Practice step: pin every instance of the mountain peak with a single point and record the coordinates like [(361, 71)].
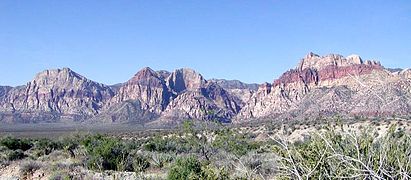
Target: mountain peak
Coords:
[(147, 76), (317, 62), (311, 55), (356, 59), (145, 72), (52, 76), (185, 79)]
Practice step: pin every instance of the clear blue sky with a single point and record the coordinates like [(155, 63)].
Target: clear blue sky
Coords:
[(250, 40)]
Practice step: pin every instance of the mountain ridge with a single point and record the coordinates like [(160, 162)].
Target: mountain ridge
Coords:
[(327, 85)]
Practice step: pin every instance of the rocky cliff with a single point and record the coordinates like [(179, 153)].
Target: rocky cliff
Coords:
[(148, 87), (328, 86), (55, 94), (318, 86), (4, 90), (141, 99), (182, 94), (240, 90), (208, 102)]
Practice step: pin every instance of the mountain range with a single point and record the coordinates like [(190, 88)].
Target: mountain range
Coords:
[(319, 86)]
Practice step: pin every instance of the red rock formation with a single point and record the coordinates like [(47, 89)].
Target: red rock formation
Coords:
[(332, 72), (318, 85)]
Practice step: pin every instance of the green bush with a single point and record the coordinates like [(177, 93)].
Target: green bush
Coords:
[(15, 143), (159, 160), (60, 176), (167, 144), (233, 142), (15, 155), (46, 146), (105, 153), (212, 173), (70, 144), (140, 163), (185, 168), (157, 144)]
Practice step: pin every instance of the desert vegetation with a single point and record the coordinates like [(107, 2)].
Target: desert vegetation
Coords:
[(328, 151)]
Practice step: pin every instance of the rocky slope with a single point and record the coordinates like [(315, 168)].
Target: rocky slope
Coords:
[(237, 88), (234, 84), (331, 85), (208, 102), (147, 87), (54, 94), (318, 86), (182, 94), (4, 90), (140, 99), (197, 98)]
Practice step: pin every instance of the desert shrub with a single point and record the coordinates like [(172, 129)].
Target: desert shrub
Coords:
[(197, 139), (60, 176), (160, 159), (46, 146), (16, 143), (224, 159), (69, 144), (185, 168), (334, 155), (27, 168), (210, 172), (167, 144), (235, 143), (104, 153), (15, 155), (159, 144), (254, 165), (140, 163)]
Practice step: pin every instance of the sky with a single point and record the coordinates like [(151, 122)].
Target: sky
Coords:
[(249, 40)]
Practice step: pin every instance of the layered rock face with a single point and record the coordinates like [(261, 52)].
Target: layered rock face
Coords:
[(148, 87), (140, 99), (197, 98), (208, 102), (182, 94), (234, 84), (331, 85), (53, 94), (62, 94), (237, 88), (185, 80), (318, 86), (406, 73), (4, 90)]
